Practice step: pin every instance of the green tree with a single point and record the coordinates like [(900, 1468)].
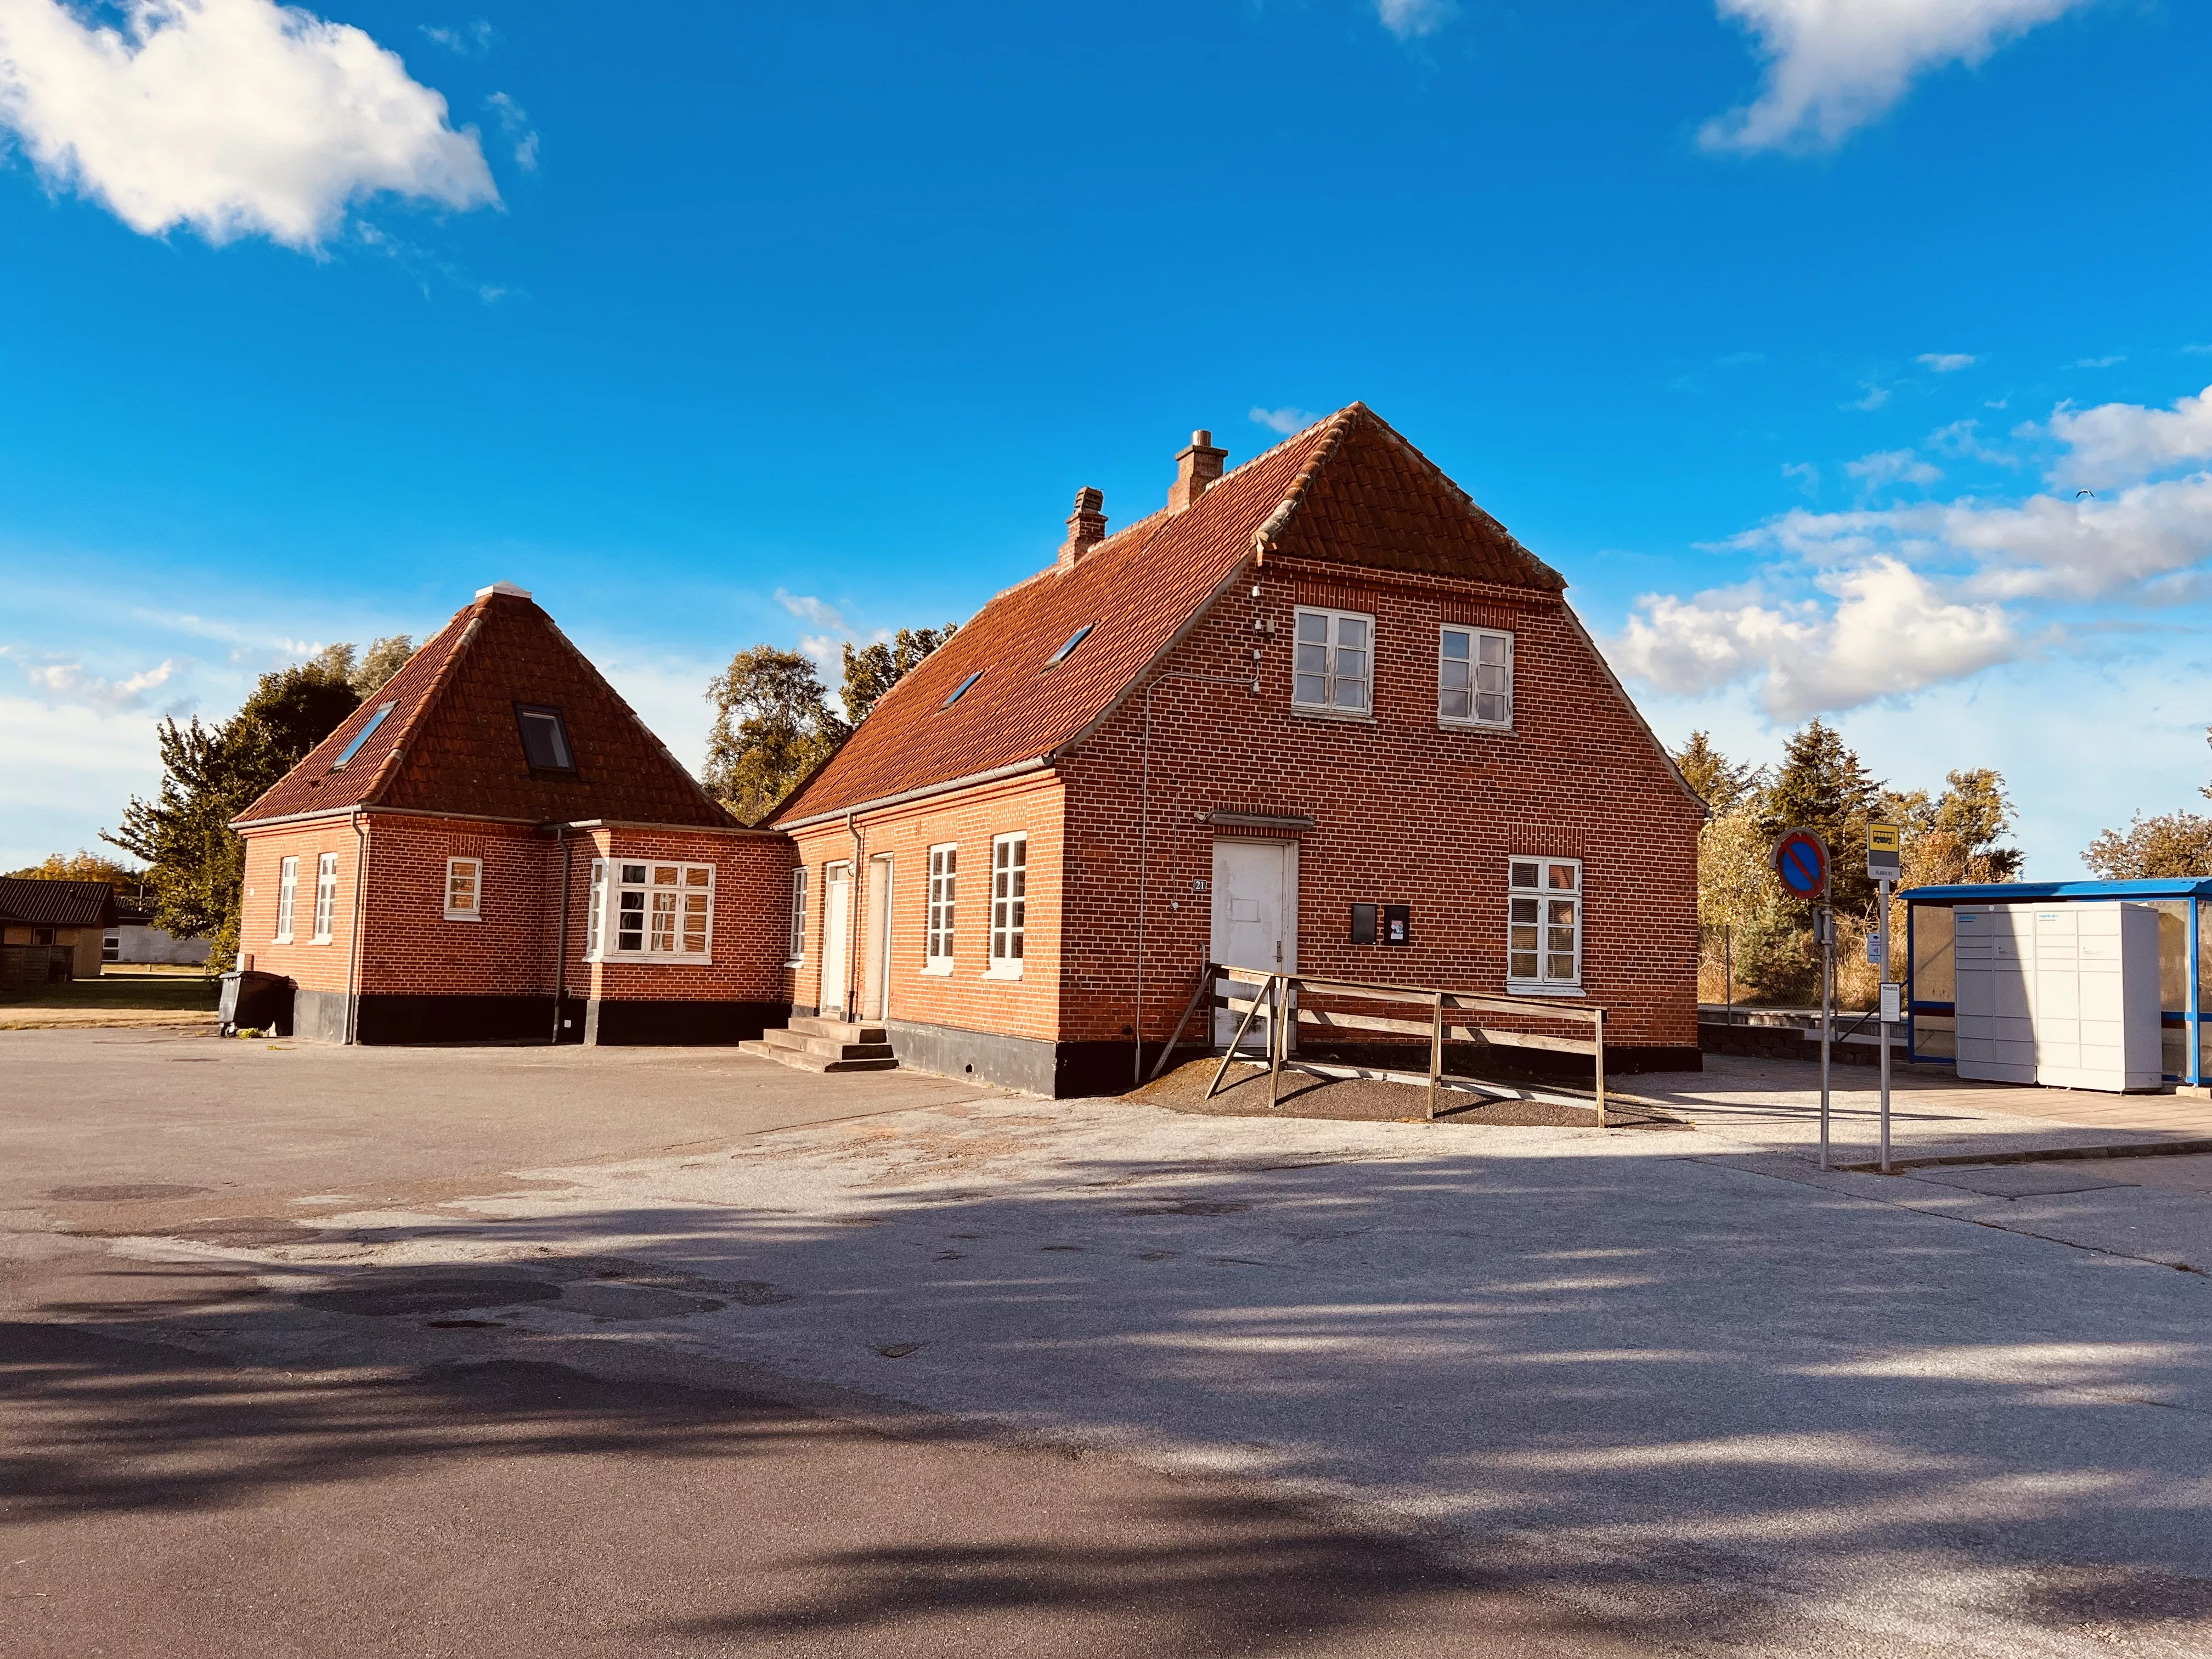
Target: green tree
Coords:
[(873, 670), (772, 727), (1954, 838), (1821, 786), (383, 658), (211, 774), (82, 865), (2170, 844), (1720, 783)]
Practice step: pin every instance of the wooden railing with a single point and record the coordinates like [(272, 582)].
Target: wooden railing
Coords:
[(1281, 997)]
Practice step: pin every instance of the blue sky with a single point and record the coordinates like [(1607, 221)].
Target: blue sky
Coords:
[(1791, 337)]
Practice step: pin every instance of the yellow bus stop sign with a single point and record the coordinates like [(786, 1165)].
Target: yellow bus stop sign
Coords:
[(1885, 852)]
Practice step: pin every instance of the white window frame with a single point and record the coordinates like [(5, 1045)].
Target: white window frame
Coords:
[(595, 910), (795, 947), (473, 910), (1473, 690), (1332, 648), (287, 898), (1009, 917), (326, 897), (617, 881), (940, 908), (1540, 902)]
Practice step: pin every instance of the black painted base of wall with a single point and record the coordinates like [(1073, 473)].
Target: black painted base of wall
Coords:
[(1794, 1043), (676, 1024)]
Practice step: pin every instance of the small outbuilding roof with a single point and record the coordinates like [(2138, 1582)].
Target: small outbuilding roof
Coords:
[(56, 903), (2043, 892)]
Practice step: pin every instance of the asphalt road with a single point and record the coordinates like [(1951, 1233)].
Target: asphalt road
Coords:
[(442, 1488)]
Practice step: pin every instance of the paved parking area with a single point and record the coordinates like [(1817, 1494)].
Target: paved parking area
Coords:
[(1677, 1393)]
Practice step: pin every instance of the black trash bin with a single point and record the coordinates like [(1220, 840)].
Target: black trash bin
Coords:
[(255, 1001)]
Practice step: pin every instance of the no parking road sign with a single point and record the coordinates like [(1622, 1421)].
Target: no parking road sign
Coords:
[(1800, 859)]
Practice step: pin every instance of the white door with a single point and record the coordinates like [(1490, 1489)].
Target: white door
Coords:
[(1256, 918), (837, 938), (876, 964)]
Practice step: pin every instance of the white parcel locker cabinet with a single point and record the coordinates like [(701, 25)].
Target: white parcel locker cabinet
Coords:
[(2061, 994)]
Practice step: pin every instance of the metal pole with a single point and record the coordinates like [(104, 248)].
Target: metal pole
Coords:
[(1727, 966), (1882, 1023), (1825, 918), (1600, 1033)]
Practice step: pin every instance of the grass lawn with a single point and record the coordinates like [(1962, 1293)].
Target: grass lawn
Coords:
[(164, 989)]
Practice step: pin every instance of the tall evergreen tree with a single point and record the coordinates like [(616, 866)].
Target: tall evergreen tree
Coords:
[(1821, 786), (1721, 783)]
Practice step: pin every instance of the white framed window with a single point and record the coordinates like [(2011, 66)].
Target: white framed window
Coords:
[(1544, 924), (1009, 863), (287, 898), (798, 950), (1334, 667), (658, 911), (937, 927), (595, 913), (464, 890), (326, 897), (1474, 677)]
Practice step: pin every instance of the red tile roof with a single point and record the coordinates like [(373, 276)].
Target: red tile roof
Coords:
[(1347, 490), (452, 743)]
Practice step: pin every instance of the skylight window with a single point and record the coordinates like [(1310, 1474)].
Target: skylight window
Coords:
[(363, 736), (1069, 649), (961, 689), (545, 739)]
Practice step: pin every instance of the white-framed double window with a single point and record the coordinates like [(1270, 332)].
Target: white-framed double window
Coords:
[(1474, 677), (937, 923), (1334, 671), (1544, 924), (326, 897), (464, 890), (648, 909), (1009, 867), (595, 912), (796, 952), (287, 898)]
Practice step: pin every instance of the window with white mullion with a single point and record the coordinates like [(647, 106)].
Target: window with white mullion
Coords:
[(1474, 677), (944, 880), (1544, 924), (1333, 668), (287, 898), (1010, 857), (596, 915), (464, 890), (661, 912), (326, 897), (798, 948)]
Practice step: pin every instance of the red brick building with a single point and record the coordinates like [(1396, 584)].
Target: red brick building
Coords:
[(1320, 710)]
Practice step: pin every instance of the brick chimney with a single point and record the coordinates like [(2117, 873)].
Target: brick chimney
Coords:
[(1086, 526), (1195, 468)]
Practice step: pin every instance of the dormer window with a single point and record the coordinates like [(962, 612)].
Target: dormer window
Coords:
[(362, 737), (961, 689), (1069, 649), (544, 738)]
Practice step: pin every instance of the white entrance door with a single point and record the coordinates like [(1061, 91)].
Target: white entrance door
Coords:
[(837, 938), (1256, 917)]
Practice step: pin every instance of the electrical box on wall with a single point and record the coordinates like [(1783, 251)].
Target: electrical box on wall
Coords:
[(1363, 924), (1397, 924)]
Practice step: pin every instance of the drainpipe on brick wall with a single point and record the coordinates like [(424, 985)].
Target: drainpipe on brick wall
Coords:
[(1143, 849), (852, 913), (561, 935), (353, 953)]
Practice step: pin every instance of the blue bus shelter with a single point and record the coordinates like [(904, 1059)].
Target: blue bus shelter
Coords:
[(2184, 931)]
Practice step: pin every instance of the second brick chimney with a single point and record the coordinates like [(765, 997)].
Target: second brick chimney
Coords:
[(1086, 526), (1195, 468)]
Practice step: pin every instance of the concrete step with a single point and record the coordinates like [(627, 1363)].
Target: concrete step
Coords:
[(800, 1061), (843, 1031), (826, 1047)]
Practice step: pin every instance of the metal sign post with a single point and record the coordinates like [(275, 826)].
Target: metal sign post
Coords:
[(1885, 863), (1800, 860)]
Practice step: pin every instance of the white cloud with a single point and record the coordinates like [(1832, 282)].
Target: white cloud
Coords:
[(1946, 362), (473, 39), (1408, 19), (61, 683), (1285, 420), (234, 117), (2116, 441), (2097, 362), (515, 122), (1964, 439), (1834, 65), (1889, 632), (1807, 475), (1875, 396), (1892, 467)]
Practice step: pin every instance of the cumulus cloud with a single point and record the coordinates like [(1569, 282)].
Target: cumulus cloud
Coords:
[(826, 648), (1946, 362), (1409, 19), (1285, 420), (2116, 441), (62, 683), (1834, 65), (1889, 631), (1892, 467), (237, 118)]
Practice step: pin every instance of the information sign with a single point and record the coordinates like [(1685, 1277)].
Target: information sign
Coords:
[(1885, 852), (1800, 859)]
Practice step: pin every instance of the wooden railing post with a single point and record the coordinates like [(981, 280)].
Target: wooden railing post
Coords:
[(1435, 1054), (1206, 978), (1281, 996), (1600, 1045), (1249, 1013)]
